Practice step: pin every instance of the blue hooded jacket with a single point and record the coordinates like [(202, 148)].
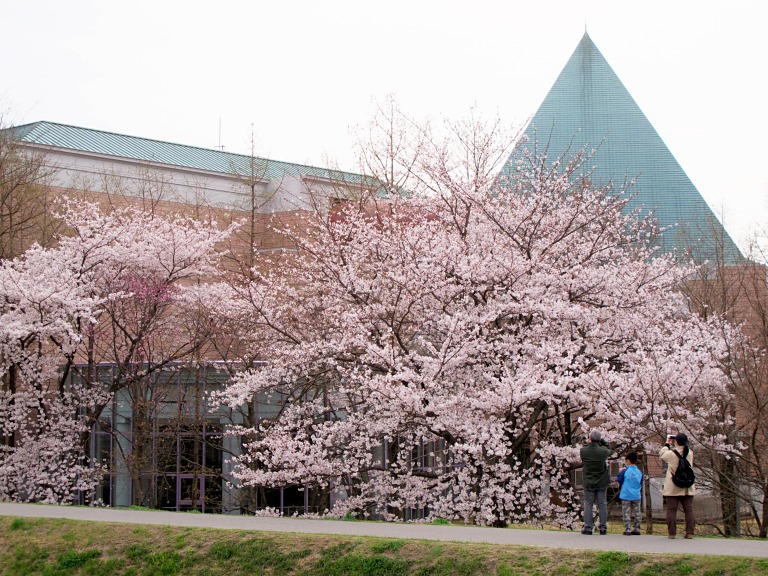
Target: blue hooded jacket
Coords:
[(631, 480)]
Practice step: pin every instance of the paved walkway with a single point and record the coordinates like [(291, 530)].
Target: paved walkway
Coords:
[(516, 537)]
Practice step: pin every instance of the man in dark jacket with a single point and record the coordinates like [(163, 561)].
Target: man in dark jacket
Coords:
[(596, 480)]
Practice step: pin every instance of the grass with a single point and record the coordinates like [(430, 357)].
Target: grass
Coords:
[(55, 547)]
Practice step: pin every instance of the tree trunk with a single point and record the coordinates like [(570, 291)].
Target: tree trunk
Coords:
[(728, 498), (647, 490), (138, 446), (10, 377), (319, 499), (764, 523)]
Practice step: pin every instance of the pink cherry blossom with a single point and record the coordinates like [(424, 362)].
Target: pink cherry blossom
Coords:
[(101, 295), (448, 349)]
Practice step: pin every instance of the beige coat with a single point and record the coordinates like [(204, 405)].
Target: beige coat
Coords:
[(672, 460)]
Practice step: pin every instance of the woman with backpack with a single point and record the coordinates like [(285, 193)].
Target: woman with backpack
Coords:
[(679, 484)]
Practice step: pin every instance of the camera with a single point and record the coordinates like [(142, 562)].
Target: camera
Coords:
[(671, 438)]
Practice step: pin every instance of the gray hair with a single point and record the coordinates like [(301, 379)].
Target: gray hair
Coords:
[(595, 435)]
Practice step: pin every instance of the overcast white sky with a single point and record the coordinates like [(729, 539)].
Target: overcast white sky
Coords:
[(305, 73)]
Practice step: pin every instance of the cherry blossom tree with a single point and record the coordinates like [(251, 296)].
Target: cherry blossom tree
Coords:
[(105, 293), (445, 349)]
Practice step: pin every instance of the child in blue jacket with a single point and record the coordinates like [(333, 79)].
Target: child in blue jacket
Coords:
[(631, 480)]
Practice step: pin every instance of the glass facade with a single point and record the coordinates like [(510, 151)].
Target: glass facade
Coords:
[(161, 441), (163, 444)]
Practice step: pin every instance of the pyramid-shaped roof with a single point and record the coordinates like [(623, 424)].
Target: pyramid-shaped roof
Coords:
[(588, 106)]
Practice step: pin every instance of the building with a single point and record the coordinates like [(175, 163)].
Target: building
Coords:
[(588, 107), (90, 159)]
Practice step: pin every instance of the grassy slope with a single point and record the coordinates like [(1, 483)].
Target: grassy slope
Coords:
[(62, 547)]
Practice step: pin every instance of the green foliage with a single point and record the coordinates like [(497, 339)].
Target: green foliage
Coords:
[(30, 559), (441, 522), (675, 567), (742, 568), (135, 551), (387, 545), (610, 563), (19, 524), (72, 559), (166, 563), (104, 568), (224, 550), (261, 553), (652, 569), (359, 565), (457, 566)]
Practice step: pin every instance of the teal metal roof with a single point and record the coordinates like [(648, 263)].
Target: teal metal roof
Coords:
[(588, 106), (146, 150)]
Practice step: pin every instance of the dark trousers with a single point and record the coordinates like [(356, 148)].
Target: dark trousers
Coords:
[(590, 496), (690, 520)]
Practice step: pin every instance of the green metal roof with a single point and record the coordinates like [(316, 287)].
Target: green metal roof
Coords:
[(147, 150), (589, 106)]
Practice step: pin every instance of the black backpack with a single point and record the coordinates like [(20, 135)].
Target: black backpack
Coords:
[(683, 476)]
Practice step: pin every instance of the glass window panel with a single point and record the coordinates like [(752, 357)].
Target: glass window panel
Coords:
[(102, 448), (105, 374), (190, 490), (212, 494), (213, 453), (166, 410), (166, 492), (104, 490), (124, 405), (269, 405), (190, 453), (293, 500), (165, 453)]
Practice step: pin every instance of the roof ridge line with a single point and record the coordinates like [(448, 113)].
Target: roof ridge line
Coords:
[(190, 146)]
